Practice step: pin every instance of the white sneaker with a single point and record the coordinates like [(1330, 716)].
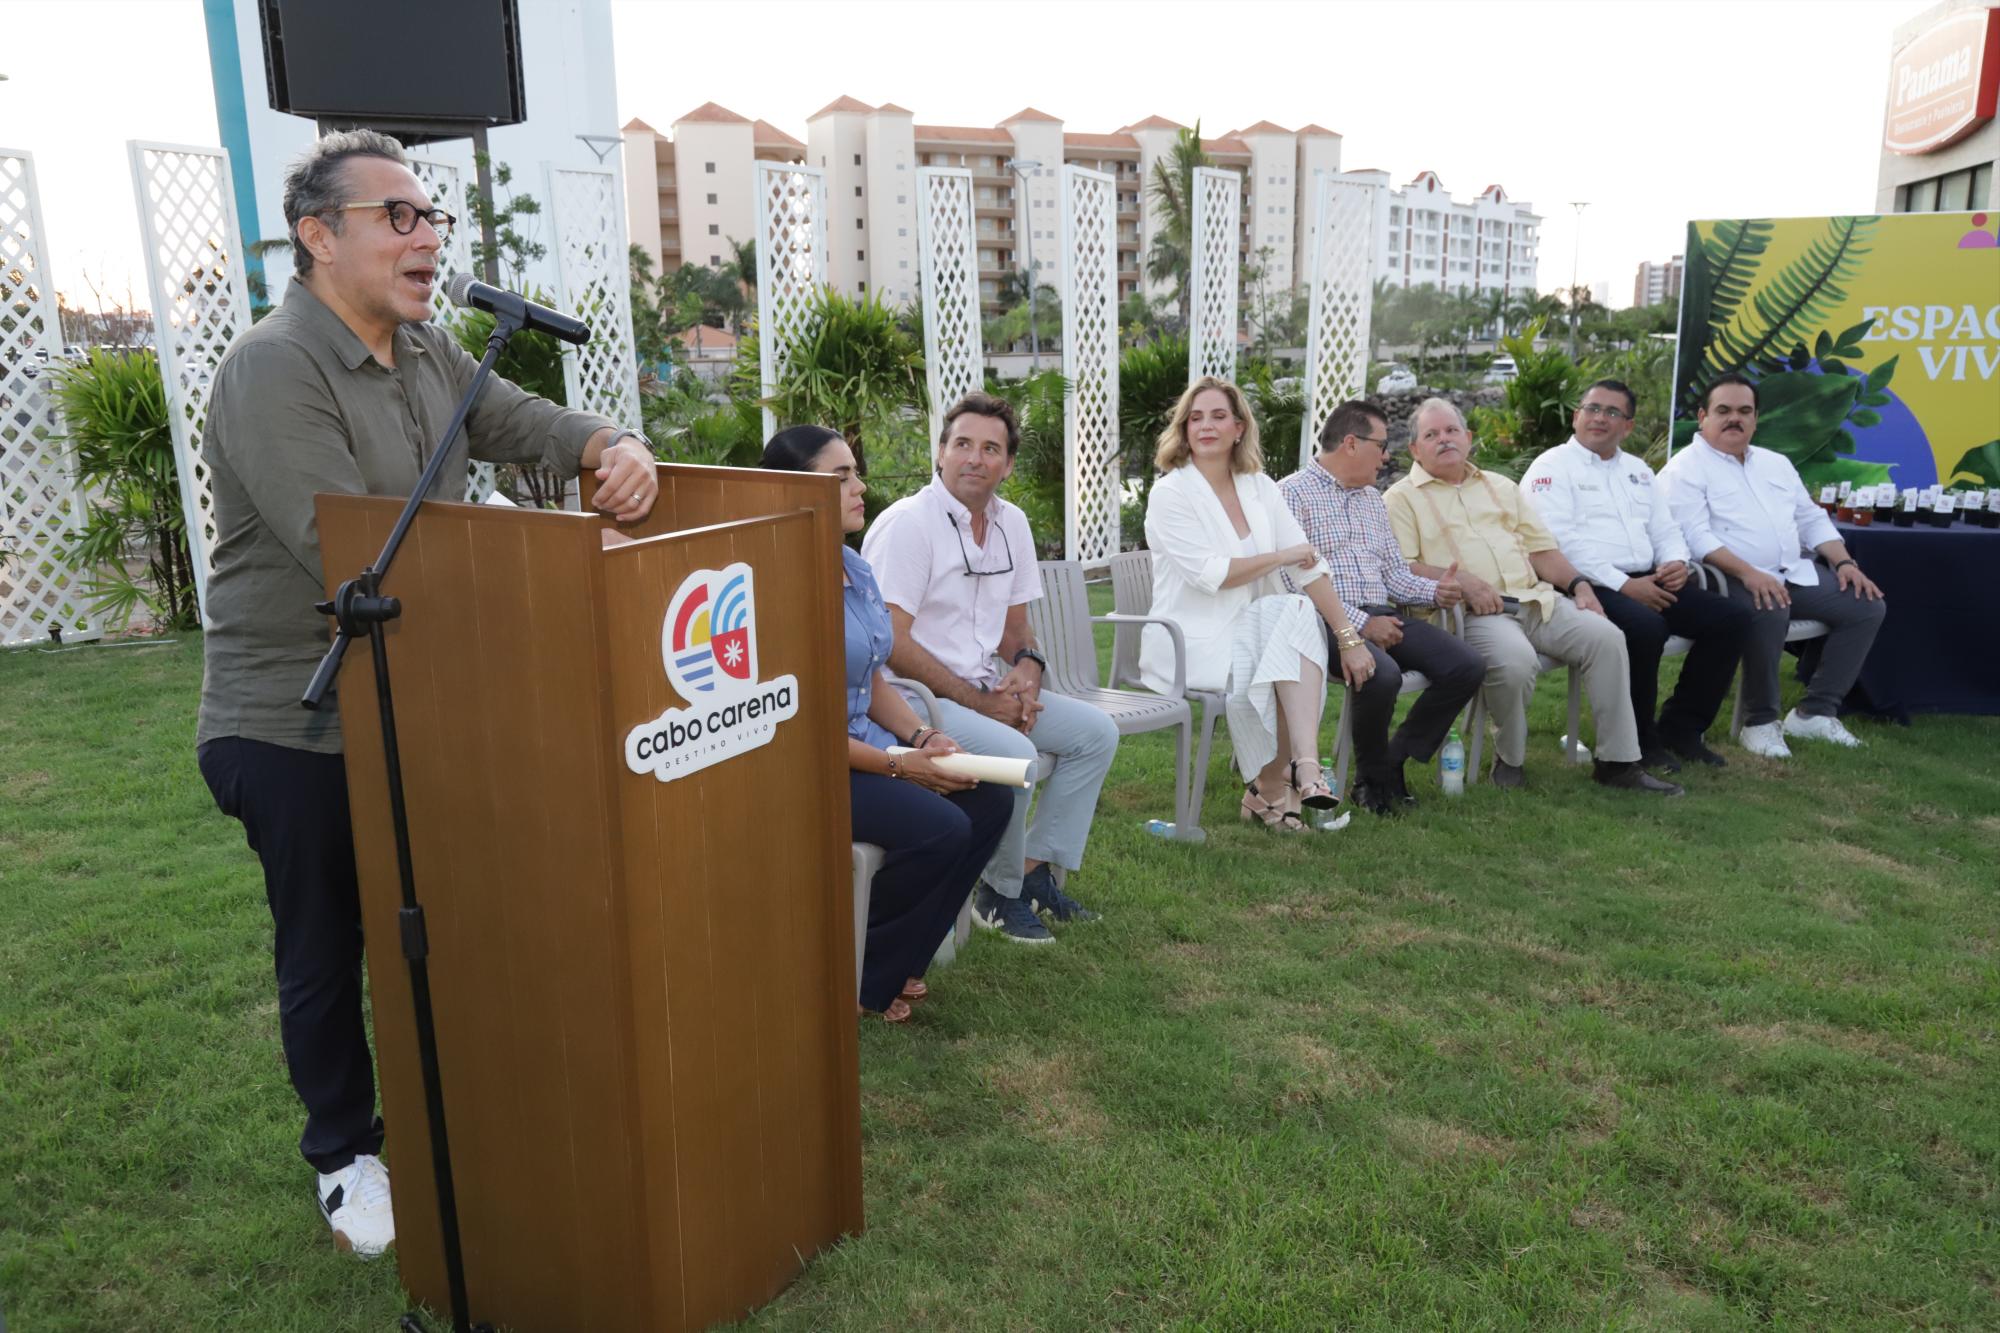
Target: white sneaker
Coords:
[(1766, 740), (1819, 729), (356, 1204)]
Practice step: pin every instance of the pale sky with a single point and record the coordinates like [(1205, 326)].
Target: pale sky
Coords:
[(1654, 113)]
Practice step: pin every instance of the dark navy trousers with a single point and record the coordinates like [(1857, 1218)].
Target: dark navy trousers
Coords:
[(933, 850)]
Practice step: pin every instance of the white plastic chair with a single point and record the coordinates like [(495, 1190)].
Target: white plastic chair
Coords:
[(1796, 632), (1132, 605)]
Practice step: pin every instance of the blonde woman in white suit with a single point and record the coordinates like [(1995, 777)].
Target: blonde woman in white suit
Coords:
[(1233, 569)]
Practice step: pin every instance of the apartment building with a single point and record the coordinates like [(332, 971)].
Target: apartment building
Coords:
[(1655, 283), (694, 187)]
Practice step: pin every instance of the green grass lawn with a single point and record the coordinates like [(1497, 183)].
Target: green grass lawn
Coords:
[(1554, 1058)]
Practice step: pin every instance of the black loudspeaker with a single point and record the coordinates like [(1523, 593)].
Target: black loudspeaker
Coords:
[(427, 70)]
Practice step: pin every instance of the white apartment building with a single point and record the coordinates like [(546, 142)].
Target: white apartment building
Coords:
[(694, 187), (1428, 238)]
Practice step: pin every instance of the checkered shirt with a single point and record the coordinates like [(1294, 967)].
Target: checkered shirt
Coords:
[(1349, 527)]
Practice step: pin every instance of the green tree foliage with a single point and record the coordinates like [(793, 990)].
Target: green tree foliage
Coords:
[(1038, 480), (858, 372), (515, 225), (1171, 258), (120, 436)]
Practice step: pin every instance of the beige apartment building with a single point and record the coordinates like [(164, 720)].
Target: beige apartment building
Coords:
[(871, 153)]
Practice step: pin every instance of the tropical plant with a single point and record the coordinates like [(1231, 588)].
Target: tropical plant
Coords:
[(514, 226), (534, 361), (1279, 403), (687, 424), (1151, 379), (1541, 399), (1038, 480), (1171, 258), (857, 371), (122, 440)]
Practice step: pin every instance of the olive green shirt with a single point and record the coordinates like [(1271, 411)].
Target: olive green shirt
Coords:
[(299, 406)]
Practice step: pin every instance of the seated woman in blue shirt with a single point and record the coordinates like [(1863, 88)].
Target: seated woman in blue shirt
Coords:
[(936, 830)]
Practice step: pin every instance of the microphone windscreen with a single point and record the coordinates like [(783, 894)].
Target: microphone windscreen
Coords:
[(459, 291)]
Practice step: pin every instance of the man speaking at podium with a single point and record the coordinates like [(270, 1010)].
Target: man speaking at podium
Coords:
[(346, 387)]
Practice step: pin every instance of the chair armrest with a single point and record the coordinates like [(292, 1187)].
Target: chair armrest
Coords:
[(1717, 580), (924, 700), (1179, 690)]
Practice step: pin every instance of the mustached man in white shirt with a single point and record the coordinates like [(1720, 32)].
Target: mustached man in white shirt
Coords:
[(1610, 517), (1745, 511), (956, 565)]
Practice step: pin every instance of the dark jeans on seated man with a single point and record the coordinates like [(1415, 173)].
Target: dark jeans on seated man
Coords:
[(1852, 622), (1718, 626), (1455, 671)]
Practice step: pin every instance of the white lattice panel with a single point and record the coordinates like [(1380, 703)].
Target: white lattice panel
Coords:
[(194, 270), (791, 265), (1214, 301), (445, 183), (594, 273), (40, 507), (954, 350), (1341, 265), (1090, 366)]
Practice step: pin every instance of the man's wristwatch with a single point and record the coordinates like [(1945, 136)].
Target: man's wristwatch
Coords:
[(1843, 564), (1034, 656), (1569, 590)]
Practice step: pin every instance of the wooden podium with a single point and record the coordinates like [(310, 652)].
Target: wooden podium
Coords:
[(644, 989)]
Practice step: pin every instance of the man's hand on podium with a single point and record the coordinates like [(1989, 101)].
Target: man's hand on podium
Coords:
[(627, 483)]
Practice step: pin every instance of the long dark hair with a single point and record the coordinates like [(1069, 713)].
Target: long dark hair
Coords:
[(794, 448)]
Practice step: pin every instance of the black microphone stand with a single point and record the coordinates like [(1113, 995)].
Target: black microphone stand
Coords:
[(358, 608)]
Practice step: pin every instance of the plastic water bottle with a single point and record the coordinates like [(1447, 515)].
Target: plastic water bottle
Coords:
[(1161, 828), (1451, 766)]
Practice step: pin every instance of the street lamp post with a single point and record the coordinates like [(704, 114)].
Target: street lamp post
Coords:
[(1575, 255), (1021, 167)]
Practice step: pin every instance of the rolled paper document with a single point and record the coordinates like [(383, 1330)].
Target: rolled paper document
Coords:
[(984, 767)]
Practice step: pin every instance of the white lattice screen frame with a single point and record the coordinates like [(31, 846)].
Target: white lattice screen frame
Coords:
[(954, 343), (1342, 267), (187, 221), (594, 283), (791, 265), (1091, 497), (41, 507), (446, 183), (1215, 279)]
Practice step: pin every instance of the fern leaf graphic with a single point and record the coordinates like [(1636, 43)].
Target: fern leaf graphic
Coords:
[(1785, 313)]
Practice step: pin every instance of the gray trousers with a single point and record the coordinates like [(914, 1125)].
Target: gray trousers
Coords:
[(1590, 644), (1083, 741), (1852, 622)]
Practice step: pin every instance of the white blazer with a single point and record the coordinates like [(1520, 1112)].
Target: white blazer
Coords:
[(1192, 544)]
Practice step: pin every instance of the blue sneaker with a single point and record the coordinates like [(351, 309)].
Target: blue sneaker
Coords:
[(1012, 917), (1045, 895)]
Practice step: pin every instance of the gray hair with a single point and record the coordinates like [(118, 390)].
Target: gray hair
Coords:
[(316, 183), (1434, 405)]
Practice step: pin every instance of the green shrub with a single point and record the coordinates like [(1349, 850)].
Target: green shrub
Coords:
[(119, 432)]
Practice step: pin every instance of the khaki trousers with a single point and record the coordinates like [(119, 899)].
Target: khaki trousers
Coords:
[(1588, 643)]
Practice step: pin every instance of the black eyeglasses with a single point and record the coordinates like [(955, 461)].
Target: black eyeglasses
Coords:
[(1379, 441), (966, 555), (403, 215)]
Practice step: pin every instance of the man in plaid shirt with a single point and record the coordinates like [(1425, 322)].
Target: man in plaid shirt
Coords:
[(1336, 503)]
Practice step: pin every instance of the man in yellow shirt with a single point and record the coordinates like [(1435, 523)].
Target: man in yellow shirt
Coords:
[(1449, 516)]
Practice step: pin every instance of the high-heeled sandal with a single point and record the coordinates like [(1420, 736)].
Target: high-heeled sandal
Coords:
[(897, 1012), (914, 990), (1316, 793), (1256, 810)]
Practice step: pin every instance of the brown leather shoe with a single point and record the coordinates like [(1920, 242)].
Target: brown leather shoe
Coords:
[(1630, 777)]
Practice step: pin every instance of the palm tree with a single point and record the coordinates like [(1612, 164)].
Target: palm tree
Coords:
[(1171, 260)]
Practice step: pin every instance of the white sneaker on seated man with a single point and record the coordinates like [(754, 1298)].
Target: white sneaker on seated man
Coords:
[(956, 565)]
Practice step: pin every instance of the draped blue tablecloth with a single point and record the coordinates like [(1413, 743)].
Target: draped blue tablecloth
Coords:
[(1939, 649)]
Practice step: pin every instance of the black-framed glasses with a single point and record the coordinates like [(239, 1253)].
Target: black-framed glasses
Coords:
[(1006, 547), (1379, 441), (1600, 410), (403, 215)]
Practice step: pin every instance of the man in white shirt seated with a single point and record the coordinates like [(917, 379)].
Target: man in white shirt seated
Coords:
[(956, 565), (1611, 519), (1745, 511)]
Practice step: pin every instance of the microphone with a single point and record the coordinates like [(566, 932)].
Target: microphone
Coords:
[(466, 291)]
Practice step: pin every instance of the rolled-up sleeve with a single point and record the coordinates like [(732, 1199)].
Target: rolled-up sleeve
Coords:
[(1285, 525), (1175, 534), (507, 424)]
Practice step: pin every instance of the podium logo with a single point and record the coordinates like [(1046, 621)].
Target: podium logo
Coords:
[(709, 645)]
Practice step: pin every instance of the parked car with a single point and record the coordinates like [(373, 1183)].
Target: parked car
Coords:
[(1396, 379), (1502, 370)]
